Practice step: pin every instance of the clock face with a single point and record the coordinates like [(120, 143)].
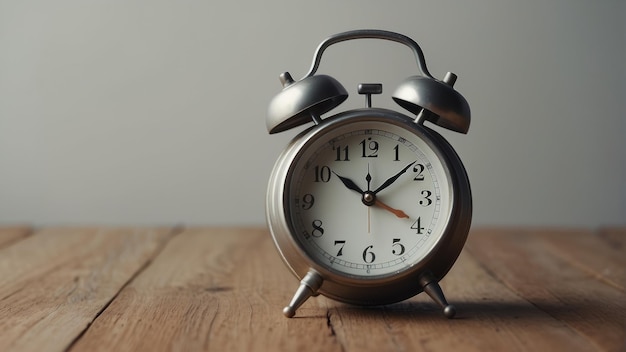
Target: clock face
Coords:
[(368, 199)]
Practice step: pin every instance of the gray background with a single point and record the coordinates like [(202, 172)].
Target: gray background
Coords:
[(153, 112)]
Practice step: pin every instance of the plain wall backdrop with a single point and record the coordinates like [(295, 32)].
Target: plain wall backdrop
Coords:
[(153, 112)]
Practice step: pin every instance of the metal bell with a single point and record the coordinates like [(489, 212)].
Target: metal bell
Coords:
[(303, 101), (435, 101)]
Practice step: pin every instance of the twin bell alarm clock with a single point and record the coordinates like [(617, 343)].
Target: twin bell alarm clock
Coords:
[(369, 206)]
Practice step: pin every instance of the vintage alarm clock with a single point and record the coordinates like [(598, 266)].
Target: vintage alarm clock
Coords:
[(369, 206)]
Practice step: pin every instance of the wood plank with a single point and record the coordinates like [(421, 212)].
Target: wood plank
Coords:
[(525, 261), (490, 318), (10, 234), (600, 253), (55, 282), (210, 289)]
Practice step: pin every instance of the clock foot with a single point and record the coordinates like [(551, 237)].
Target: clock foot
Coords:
[(308, 287), (432, 289)]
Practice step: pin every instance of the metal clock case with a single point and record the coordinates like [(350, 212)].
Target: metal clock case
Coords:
[(369, 206)]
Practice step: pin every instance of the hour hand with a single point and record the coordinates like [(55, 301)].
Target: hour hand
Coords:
[(349, 183)]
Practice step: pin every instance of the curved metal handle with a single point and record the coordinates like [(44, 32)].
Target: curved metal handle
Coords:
[(370, 34)]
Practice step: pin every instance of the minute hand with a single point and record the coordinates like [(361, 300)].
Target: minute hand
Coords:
[(393, 178)]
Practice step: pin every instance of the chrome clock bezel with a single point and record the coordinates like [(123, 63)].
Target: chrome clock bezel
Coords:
[(385, 288)]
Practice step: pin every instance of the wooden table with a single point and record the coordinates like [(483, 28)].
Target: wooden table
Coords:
[(223, 289)]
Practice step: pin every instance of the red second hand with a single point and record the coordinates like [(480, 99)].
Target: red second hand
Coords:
[(397, 212)]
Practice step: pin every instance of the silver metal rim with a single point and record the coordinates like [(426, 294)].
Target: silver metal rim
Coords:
[(381, 290)]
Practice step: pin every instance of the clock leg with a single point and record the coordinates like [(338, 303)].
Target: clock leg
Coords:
[(308, 287), (432, 288)]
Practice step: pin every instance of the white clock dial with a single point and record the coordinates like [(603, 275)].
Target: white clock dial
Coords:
[(368, 199)]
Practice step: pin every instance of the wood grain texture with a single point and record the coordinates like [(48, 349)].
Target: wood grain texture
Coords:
[(223, 289), (601, 254), (551, 270), (55, 282), (210, 289), (491, 318), (11, 234)]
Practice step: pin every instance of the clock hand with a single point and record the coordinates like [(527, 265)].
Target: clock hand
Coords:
[(393, 178), (397, 212), (349, 183), (353, 186)]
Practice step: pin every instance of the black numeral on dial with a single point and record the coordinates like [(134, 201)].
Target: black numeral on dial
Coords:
[(307, 201), (368, 255), (419, 172), (318, 230), (342, 153), (398, 248), (340, 244), (322, 173), (426, 201), (369, 148), (417, 225)]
